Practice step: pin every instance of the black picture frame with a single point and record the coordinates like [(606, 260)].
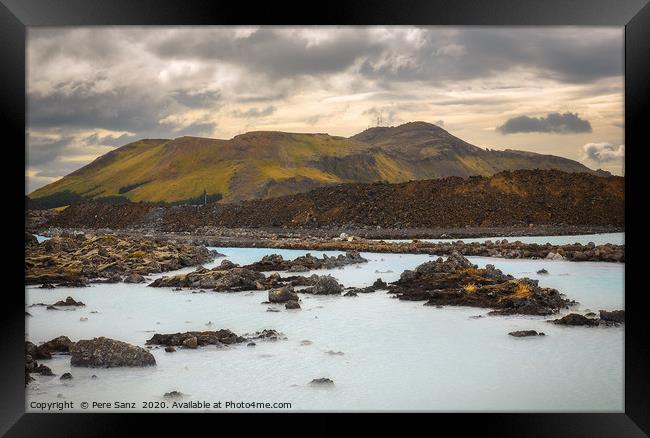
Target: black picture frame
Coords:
[(17, 15)]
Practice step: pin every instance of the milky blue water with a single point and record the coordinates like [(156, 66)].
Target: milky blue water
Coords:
[(397, 355), (598, 239)]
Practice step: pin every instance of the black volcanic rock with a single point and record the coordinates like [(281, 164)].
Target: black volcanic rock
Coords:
[(518, 198), (108, 353)]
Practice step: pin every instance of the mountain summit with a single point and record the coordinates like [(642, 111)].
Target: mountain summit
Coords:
[(263, 164)]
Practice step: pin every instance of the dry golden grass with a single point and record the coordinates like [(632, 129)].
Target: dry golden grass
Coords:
[(522, 291), (470, 288)]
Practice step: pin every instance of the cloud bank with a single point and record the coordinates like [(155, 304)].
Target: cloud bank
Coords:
[(556, 123), (604, 152)]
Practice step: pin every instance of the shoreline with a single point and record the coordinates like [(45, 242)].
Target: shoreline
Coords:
[(256, 238), (371, 233)]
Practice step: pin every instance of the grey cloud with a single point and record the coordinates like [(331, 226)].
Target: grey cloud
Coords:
[(477, 101), (271, 51), (100, 45), (566, 123), (274, 61), (254, 113), (117, 110), (196, 130), (108, 140), (312, 120), (603, 152), (205, 99), (43, 152), (557, 53)]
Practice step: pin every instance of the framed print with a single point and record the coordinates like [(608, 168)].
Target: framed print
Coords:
[(382, 207)]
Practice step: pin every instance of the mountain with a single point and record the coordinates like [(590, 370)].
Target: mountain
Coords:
[(510, 198), (263, 164)]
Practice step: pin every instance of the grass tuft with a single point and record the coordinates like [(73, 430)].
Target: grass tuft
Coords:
[(470, 288)]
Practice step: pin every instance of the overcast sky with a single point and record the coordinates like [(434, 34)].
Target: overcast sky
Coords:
[(553, 90)]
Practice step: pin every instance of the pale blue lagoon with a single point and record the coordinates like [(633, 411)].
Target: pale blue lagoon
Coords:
[(397, 355)]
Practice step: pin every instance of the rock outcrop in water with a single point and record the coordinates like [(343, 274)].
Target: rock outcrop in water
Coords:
[(44, 351), (275, 262), (379, 284), (108, 353), (457, 282), (60, 344), (525, 333), (232, 279), (33, 367), (69, 302), (613, 318), (325, 285), (216, 337), (74, 260), (322, 381), (282, 295)]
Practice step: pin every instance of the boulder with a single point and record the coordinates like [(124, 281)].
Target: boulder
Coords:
[(191, 342), (69, 301), (555, 256), (292, 304), (60, 344), (134, 278), (43, 370), (322, 381), (108, 353), (227, 264), (379, 284), (615, 316), (525, 333), (575, 319), (326, 285), (282, 295), (34, 352), (65, 376), (30, 363)]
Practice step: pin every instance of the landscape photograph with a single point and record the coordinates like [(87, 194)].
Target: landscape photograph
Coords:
[(325, 219)]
